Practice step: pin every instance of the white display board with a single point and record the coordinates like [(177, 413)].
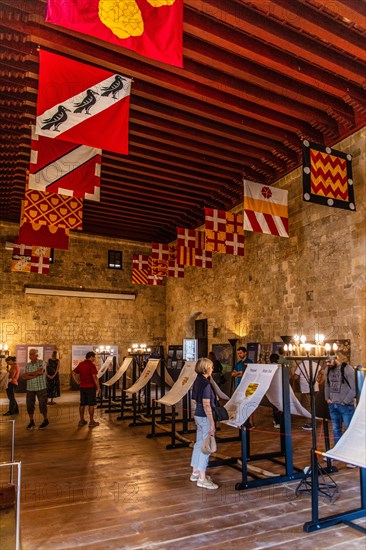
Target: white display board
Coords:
[(120, 371), (145, 376), (181, 387), (351, 447), (250, 392)]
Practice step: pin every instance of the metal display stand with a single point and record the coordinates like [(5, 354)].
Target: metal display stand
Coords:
[(347, 518), (291, 472), (173, 433), (326, 486)]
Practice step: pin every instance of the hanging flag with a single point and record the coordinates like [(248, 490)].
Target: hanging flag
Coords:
[(265, 209), (27, 250), (153, 28), (40, 265), (30, 264), (159, 267), (51, 209), (155, 280), (20, 263), (191, 248), (175, 270), (190, 238), (196, 257), (327, 176), (64, 168), (43, 235), (140, 269), (82, 104), (224, 232), (161, 251)]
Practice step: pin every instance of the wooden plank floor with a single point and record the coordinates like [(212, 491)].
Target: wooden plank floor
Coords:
[(112, 488)]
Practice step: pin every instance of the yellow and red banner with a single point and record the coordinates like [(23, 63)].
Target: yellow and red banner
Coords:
[(265, 209), (327, 176), (224, 232), (52, 210), (152, 28)]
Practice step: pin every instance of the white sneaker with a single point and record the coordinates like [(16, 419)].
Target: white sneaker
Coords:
[(207, 484), (195, 477), (351, 466), (277, 426)]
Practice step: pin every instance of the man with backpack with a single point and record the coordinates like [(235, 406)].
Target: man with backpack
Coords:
[(340, 392)]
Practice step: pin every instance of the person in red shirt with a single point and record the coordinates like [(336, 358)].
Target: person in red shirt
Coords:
[(85, 374)]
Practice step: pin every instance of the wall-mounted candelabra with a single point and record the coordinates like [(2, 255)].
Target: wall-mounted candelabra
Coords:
[(139, 349), (299, 345)]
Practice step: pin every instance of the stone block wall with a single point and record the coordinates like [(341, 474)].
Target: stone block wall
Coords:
[(312, 282), (66, 321)]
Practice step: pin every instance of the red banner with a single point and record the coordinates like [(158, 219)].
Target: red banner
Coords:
[(153, 28), (64, 168), (82, 104)]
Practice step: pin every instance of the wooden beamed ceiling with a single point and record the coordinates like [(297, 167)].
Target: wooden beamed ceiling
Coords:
[(259, 77)]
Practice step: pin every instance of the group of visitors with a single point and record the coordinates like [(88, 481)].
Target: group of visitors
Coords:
[(43, 383), (339, 388)]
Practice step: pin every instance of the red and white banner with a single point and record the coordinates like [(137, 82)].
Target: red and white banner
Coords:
[(190, 238), (175, 270), (196, 257), (153, 28), (160, 251), (82, 104), (265, 209), (64, 168)]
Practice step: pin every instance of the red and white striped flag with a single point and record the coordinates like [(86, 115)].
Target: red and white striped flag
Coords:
[(265, 209)]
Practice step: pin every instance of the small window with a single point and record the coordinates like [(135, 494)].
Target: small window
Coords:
[(114, 259)]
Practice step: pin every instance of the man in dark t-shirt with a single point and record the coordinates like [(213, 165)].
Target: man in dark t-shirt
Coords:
[(85, 374)]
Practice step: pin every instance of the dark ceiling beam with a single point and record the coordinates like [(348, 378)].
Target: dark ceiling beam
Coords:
[(243, 18), (264, 55), (175, 137), (350, 11), (227, 115), (254, 80), (316, 24)]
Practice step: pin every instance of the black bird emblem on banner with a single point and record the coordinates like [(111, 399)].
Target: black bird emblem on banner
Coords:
[(88, 102), (58, 118), (115, 87)]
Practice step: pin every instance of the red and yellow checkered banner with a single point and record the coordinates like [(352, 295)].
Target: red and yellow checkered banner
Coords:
[(53, 210), (224, 232), (327, 176)]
